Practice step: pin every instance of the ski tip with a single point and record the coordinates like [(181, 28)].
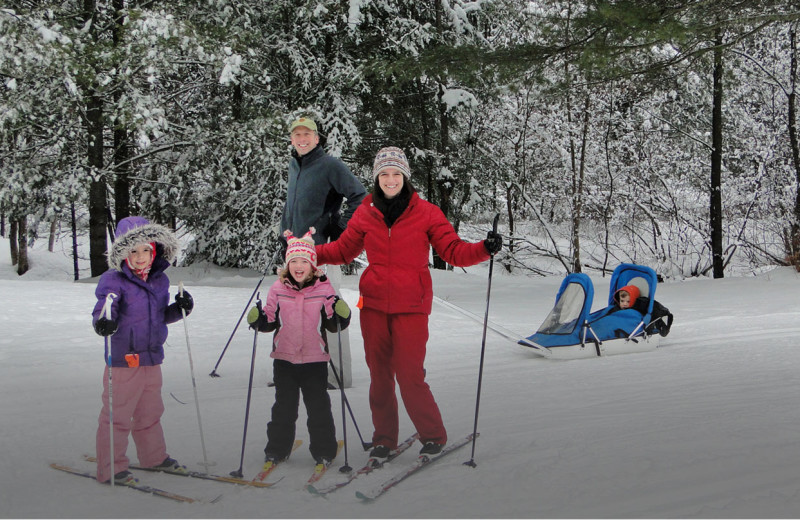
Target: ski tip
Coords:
[(362, 496)]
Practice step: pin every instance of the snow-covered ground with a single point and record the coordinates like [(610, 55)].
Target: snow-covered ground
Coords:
[(706, 426)]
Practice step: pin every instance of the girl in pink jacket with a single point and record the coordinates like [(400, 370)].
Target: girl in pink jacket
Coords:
[(300, 306)]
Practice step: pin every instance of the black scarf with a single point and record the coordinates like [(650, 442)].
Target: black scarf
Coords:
[(394, 207)]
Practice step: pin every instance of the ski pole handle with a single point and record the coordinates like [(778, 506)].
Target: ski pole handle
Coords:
[(494, 228), (107, 306), (180, 287)]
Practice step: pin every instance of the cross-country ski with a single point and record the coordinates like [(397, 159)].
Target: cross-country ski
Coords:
[(371, 465), (421, 462), (135, 484)]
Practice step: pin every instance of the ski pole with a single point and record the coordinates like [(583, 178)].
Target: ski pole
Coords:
[(246, 307), (194, 384), (346, 468), (238, 473), (107, 314), (365, 445), (471, 461)]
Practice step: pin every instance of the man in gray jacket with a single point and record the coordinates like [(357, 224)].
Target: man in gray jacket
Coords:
[(318, 185)]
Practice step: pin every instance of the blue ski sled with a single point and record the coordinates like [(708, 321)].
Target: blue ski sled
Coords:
[(572, 331)]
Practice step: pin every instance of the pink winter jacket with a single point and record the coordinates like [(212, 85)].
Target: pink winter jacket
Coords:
[(300, 315)]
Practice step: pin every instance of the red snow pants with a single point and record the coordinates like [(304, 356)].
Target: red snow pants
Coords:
[(137, 408), (395, 347)]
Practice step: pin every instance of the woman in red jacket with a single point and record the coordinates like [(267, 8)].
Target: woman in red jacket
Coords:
[(396, 228)]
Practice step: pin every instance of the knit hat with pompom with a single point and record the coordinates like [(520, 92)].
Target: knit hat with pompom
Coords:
[(302, 247)]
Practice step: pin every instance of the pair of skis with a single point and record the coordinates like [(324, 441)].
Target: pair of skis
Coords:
[(372, 464), (319, 469), (135, 484), (421, 462), (197, 474), (144, 488)]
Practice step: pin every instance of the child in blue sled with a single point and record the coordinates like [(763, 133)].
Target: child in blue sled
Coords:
[(628, 298)]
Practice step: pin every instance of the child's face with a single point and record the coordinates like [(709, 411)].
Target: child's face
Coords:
[(140, 256), (300, 269), (624, 300)]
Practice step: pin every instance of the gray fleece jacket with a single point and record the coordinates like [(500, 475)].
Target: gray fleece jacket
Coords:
[(318, 184)]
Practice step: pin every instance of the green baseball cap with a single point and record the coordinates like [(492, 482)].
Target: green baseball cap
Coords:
[(303, 121)]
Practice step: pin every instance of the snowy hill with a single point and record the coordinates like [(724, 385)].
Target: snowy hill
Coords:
[(705, 426)]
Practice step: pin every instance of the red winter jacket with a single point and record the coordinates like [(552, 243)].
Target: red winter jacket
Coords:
[(397, 279)]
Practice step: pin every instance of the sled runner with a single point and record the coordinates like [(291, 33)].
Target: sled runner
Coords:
[(572, 331)]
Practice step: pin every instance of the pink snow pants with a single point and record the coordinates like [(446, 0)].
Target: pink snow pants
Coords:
[(395, 346), (137, 410)]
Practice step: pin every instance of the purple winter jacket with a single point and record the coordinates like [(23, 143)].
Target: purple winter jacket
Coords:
[(141, 309)]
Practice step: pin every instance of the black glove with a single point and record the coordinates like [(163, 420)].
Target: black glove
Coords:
[(493, 242), (105, 327), (185, 301)]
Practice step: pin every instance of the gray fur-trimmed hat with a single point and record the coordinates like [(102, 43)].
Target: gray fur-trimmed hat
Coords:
[(134, 231)]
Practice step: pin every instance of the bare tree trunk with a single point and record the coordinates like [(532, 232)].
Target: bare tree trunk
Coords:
[(98, 220), (445, 187), (610, 197), (122, 186), (74, 226), (716, 163), (51, 242), (2, 224), (98, 244), (12, 240), (793, 253), (511, 226), (577, 191), (22, 240)]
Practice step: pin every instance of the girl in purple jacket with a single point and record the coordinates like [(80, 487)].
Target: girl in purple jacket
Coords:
[(301, 304), (140, 313)]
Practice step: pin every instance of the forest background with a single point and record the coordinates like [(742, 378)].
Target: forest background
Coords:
[(661, 133)]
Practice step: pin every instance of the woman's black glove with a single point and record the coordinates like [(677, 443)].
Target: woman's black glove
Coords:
[(493, 242)]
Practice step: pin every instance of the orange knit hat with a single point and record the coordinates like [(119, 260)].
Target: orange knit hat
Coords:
[(632, 291)]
